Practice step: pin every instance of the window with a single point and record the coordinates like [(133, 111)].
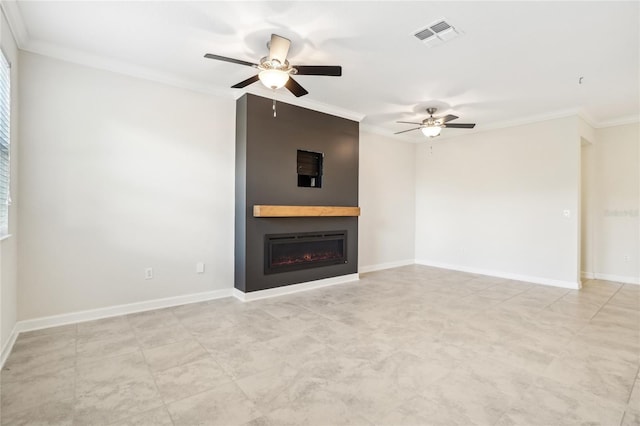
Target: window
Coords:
[(5, 121)]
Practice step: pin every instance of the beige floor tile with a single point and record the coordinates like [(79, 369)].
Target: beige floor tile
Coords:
[(631, 418), (225, 405), (478, 392), (159, 318), (295, 348), (279, 386), (155, 417), (319, 408), (551, 403), (189, 379), (594, 372), (113, 389), (21, 396), (38, 359), (528, 357), (618, 316), (571, 309), (58, 413), (626, 299), (109, 346), (375, 389), (114, 368), (106, 403), (174, 354), (423, 411), (333, 333), (244, 359), (152, 337), (203, 323), (62, 329), (103, 328), (32, 345), (634, 399)]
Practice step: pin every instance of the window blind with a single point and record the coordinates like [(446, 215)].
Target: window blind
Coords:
[(5, 124)]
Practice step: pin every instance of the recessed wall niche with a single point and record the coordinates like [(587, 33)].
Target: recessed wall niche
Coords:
[(310, 169)]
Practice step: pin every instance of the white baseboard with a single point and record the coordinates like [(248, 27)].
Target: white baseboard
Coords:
[(617, 278), (294, 288), (8, 346), (112, 311), (500, 274), (386, 265)]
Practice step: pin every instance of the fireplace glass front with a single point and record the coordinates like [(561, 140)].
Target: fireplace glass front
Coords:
[(290, 252)]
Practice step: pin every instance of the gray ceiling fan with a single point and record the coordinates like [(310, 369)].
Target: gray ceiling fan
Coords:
[(431, 126)]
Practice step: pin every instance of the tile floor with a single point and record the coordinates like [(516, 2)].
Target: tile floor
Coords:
[(406, 346)]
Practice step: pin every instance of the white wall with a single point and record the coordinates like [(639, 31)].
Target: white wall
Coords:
[(588, 207), (617, 225), (8, 247), (118, 174), (492, 202), (387, 201)]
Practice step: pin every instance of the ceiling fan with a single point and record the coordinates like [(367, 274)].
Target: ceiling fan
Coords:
[(275, 71), (431, 126)]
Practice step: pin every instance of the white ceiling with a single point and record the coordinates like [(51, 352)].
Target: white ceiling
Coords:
[(515, 62)]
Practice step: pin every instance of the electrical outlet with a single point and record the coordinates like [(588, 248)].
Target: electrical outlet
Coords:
[(566, 213), (627, 258), (148, 273)]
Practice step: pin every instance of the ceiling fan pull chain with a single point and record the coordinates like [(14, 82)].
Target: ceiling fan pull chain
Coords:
[(274, 104)]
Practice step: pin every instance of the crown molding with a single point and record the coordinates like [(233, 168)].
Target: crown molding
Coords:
[(511, 123), (554, 115), (388, 134), (12, 12), (285, 97), (629, 119), (120, 67)]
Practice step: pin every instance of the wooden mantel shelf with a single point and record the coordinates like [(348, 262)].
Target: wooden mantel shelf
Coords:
[(303, 211)]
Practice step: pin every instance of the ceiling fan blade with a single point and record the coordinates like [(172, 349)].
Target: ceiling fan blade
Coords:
[(329, 70), (460, 125), (405, 131), (295, 88), (279, 48), (246, 82), (233, 61), (447, 118), (409, 122)]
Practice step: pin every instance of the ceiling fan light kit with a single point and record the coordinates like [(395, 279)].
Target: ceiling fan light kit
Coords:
[(273, 79), (431, 131)]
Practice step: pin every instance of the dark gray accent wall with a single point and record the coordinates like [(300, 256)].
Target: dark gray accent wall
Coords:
[(266, 160)]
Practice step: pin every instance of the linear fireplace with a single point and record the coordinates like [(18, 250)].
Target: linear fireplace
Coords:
[(291, 252)]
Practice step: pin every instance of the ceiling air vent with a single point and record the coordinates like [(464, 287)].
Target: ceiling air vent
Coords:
[(426, 33), (436, 33), (440, 26)]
